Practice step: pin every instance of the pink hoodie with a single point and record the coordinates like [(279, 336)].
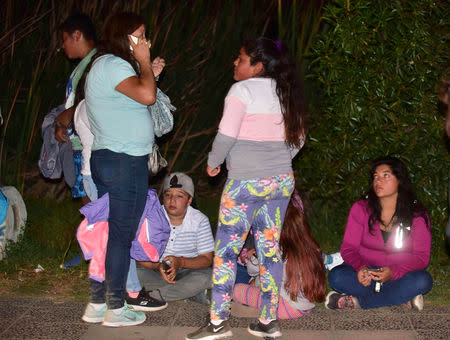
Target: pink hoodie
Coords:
[(360, 248)]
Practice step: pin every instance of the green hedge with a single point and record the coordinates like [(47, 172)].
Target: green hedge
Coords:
[(376, 67)]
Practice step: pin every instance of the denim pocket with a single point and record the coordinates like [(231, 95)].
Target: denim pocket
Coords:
[(106, 169)]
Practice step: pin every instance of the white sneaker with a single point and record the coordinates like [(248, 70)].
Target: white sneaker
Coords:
[(336, 260), (417, 302), (93, 315), (128, 317)]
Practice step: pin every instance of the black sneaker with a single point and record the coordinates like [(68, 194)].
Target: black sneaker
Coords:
[(331, 301), (211, 332), (271, 330), (341, 301), (145, 303)]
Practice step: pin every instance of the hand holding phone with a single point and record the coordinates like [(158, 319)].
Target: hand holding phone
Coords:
[(135, 40), (375, 270), (376, 278), (166, 266)]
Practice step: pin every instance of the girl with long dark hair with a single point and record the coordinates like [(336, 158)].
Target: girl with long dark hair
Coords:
[(386, 245), (303, 281), (262, 128)]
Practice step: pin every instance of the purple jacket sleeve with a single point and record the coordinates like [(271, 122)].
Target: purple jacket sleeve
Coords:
[(419, 256), (353, 236)]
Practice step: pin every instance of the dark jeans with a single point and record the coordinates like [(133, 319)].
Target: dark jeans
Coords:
[(242, 274), (344, 279), (125, 179)]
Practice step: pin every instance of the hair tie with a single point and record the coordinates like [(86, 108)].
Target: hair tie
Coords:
[(297, 201), (278, 45)]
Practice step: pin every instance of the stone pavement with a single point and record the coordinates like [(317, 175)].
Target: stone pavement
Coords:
[(46, 319)]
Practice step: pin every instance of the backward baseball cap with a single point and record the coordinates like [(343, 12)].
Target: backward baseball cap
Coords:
[(181, 181)]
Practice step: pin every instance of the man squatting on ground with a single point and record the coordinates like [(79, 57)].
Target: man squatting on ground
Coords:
[(189, 250)]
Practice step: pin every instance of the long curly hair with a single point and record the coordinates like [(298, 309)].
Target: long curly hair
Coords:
[(407, 207), (278, 65), (305, 271)]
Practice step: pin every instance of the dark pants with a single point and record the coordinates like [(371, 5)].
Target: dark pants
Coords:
[(344, 279), (125, 179)]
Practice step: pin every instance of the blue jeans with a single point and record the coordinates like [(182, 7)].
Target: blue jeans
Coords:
[(133, 284), (125, 179), (344, 279)]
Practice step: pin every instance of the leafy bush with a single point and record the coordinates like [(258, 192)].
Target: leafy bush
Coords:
[(376, 66)]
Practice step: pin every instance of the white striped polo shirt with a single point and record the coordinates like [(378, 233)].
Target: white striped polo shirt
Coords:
[(192, 238)]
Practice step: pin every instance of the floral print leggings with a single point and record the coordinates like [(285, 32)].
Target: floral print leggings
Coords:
[(261, 204)]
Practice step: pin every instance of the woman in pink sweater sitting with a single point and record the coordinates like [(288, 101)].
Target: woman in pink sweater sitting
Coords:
[(386, 245)]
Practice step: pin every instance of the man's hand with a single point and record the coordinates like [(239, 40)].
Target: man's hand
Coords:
[(364, 277), (170, 274), (62, 121), (61, 133), (164, 274), (212, 172)]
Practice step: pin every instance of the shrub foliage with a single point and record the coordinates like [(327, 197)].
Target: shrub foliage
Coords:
[(376, 66)]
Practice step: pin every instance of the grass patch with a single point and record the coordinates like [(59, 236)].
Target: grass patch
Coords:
[(48, 241)]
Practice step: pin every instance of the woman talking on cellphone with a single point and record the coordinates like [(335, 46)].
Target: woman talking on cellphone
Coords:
[(386, 245), (118, 87)]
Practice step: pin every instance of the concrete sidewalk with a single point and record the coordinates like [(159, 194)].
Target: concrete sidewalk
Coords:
[(46, 319)]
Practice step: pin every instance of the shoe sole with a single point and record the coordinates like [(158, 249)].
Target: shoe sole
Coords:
[(227, 334), (417, 302), (122, 323), (277, 334), (147, 309), (327, 299), (92, 320)]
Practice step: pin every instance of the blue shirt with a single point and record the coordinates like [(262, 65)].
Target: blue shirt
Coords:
[(118, 123)]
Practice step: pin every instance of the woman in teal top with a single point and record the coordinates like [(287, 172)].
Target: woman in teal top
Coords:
[(119, 86)]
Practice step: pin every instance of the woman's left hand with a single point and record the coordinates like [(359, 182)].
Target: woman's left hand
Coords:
[(212, 171), (158, 65), (384, 275)]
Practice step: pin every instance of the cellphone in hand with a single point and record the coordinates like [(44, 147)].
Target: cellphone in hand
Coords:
[(378, 284), (135, 40), (374, 270), (166, 266)]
